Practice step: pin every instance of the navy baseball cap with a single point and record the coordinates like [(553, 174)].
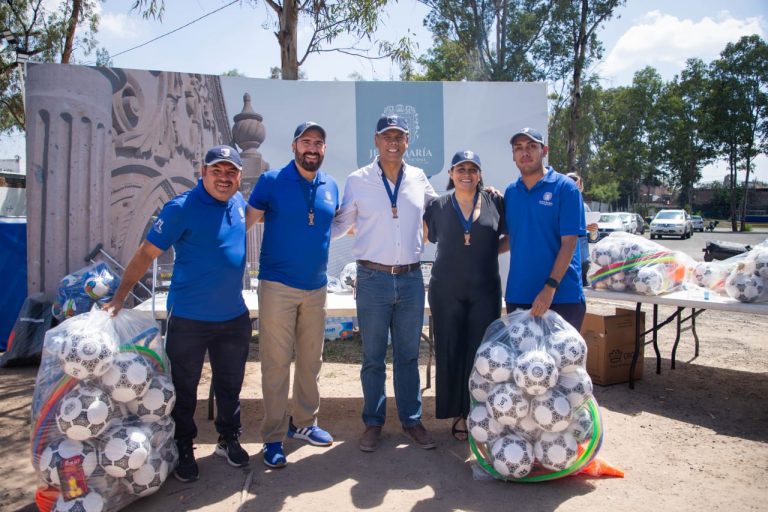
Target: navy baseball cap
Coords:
[(466, 156), (223, 153), (532, 134), (307, 125), (391, 122)]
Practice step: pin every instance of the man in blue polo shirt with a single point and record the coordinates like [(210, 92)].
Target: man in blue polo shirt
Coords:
[(297, 204), (206, 227), (544, 213)]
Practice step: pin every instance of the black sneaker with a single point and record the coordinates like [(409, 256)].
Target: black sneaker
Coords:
[(187, 470), (229, 447)]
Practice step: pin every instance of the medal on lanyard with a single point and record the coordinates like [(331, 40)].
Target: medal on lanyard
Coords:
[(392, 195), (310, 191), (466, 223)]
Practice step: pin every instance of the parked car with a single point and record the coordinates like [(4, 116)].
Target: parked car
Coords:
[(672, 223), (698, 223), (608, 223), (640, 224), (628, 219)]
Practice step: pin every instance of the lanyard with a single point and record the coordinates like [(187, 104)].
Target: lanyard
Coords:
[(466, 223), (392, 195), (309, 189)]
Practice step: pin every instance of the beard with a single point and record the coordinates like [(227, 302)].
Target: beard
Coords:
[(310, 166)]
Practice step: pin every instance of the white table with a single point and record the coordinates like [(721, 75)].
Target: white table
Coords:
[(692, 299)]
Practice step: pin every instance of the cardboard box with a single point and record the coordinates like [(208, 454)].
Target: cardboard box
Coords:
[(610, 345)]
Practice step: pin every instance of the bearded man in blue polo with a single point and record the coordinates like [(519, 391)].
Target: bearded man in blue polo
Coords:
[(544, 215), (206, 226)]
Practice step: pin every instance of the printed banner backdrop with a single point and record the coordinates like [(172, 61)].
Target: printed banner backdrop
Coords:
[(107, 147)]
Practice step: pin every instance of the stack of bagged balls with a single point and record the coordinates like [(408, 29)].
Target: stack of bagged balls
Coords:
[(630, 263), (102, 434), (747, 280), (530, 392), (79, 290)]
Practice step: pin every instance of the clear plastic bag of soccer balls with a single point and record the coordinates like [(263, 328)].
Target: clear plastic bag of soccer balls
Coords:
[(533, 416), (623, 262), (747, 280), (102, 435), (79, 290)]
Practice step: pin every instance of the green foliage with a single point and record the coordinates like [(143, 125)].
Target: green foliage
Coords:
[(607, 192)]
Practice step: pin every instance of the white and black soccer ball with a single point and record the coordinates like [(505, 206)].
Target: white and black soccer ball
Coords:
[(576, 385), (348, 276), (651, 280), (556, 450), (512, 456), (535, 372), (581, 425), (618, 282), (124, 449), (551, 411), (602, 255), (148, 478), (743, 286), (568, 349), (481, 425), (128, 378), (479, 386), (493, 361), (157, 402), (703, 274), (526, 334), (91, 502), (761, 262), (84, 412), (507, 404), (65, 449), (85, 355), (527, 427)]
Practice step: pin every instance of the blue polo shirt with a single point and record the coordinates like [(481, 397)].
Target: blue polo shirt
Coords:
[(536, 219), (293, 252), (208, 238)]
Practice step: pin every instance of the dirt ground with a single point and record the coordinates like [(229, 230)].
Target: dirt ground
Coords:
[(693, 438)]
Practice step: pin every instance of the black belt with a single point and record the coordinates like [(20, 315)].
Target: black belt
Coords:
[(390, 269)]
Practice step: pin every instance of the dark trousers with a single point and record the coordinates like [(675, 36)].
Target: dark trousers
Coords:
[(227, 344), (572, 313), (585, 274)]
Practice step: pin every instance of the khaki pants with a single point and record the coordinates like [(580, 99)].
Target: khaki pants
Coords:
[(290, 318)]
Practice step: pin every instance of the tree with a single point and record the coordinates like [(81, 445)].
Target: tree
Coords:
[(326, 20)]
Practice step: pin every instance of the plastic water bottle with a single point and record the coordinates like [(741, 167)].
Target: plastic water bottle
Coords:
[(706, 294)]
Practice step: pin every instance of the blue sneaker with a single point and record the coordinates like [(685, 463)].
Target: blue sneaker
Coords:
[(313, 434), (274, 456)]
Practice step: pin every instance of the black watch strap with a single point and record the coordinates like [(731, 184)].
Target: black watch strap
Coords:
[(554, 283)]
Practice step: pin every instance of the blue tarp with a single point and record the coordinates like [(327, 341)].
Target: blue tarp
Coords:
[(13, 269)]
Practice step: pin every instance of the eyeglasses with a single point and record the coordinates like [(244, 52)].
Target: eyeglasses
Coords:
[(221, 173)]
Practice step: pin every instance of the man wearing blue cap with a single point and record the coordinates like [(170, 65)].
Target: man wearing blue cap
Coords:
[(206, 227), (297, 204), (544, 214), (384, 202)]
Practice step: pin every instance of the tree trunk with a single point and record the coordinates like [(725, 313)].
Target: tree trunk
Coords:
[(69, 41), (579, 49), (288, 39), (732, 164), (746, 191)]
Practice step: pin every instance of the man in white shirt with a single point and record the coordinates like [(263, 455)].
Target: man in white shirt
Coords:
[(385, 202)]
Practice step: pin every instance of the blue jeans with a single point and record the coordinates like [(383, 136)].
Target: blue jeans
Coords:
[(387, 303)]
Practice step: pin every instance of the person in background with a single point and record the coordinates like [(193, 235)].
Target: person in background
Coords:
[(590, 235), (465, 287)]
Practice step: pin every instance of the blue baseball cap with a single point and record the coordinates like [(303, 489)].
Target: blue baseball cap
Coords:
[(223, 153), (307, 125), (391, 122), (532, 134), (466, 156)]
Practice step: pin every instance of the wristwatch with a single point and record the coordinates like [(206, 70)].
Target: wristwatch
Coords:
[(554, 283)]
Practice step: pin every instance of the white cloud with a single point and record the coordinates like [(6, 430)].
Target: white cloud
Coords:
[(119, 26), (666, 42)]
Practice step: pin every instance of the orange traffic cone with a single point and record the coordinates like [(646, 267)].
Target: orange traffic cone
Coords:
[(598, 467)]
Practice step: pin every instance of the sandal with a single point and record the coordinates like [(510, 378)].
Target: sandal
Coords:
[(460, 434)]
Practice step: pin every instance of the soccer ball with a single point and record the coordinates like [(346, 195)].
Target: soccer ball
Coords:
[(568, 349), (85, 355), (148, 478), (556, 450), (91, 502), (494, 361), (576, 385), (506, 404), (552, 411), (125, 448), (744, 287), (703, 274), (602, 255), (157, 402), (95, 287), (84, 412), (482, 427), (479, 386), (617, 282), (761, 263), (512, 456), (535, 372), (526, 335), (128, 378), (581, 425), (348, 276), (617, 252), (650, 281), (63, 449)]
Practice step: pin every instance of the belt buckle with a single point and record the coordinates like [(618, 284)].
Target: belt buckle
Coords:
[(393, 270)]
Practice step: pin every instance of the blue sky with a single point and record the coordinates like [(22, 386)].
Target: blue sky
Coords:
[(645, 32)]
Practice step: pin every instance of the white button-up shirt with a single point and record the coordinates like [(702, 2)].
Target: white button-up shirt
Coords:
[(366, 206)]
